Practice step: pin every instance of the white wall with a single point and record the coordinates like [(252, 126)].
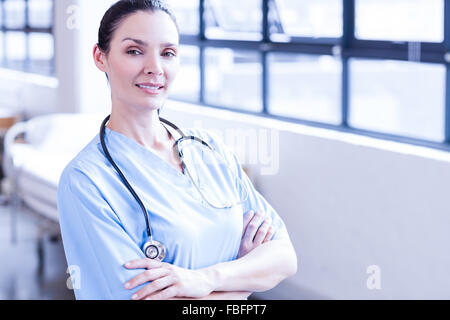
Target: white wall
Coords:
[(83, 88), (350, 202)]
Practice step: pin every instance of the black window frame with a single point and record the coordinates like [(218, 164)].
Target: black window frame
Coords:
[(346, 47)]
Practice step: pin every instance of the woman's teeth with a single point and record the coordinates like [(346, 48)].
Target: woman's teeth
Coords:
[(149, 87)]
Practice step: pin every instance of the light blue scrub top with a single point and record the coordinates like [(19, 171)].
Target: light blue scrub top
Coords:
[(103, 226)]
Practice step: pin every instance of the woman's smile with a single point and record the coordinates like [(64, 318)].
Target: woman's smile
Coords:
[(151, 89)]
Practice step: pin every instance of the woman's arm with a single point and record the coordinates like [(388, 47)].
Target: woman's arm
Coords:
[(254, 234), (254, 272), (261, 269), (171, 282)]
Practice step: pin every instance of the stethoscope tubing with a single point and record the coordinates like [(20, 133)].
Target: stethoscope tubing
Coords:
[(122, 176)]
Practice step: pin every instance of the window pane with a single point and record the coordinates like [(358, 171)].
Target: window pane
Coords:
[(187, 14), (15, 13), (305, 18), (41, 46), (305, 86), (1, 47), (15, 50), (233, 79), (40, 13), (398, 97), (400, 20), (187, 83), (233, 19), (15, 45)]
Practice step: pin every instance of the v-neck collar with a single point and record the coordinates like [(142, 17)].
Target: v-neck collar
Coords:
[(146, 152)]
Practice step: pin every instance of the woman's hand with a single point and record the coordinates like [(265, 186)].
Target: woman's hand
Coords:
[(168, 281), (255, 232)]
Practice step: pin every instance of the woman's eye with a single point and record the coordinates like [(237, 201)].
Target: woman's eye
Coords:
[(169, 54), (133, 52)]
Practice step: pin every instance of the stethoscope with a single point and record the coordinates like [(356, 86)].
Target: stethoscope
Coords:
[(153, 249)]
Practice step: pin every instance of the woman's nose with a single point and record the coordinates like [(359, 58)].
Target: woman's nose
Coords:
[(153, 65)]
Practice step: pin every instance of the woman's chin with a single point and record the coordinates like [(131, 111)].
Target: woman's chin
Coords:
[(153, 104)]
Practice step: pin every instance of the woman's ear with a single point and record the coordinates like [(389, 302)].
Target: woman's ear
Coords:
[(99, 58)]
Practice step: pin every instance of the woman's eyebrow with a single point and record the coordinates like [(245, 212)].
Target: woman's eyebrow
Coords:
[(142, 43), (168, 44)]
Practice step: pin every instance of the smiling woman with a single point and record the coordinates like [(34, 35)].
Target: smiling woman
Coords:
[(141, 55), (209, 251)]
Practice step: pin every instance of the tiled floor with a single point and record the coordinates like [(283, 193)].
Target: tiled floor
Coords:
[(19, 273)]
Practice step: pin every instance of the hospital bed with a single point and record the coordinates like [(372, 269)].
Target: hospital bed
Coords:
[(35, 153)]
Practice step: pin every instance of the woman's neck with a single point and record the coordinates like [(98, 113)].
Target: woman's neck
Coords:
[(143, 127)]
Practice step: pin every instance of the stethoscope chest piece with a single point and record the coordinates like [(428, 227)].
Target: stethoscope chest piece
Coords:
[(154, 250)]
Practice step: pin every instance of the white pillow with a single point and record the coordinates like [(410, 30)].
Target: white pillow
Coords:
[(65, 133)]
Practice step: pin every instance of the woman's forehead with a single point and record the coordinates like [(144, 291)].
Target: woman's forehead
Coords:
[(149, 27)]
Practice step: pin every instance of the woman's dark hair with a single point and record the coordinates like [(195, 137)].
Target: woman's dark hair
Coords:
[(122, 9)]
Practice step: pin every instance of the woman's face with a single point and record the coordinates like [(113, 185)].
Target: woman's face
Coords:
[(143, 59)]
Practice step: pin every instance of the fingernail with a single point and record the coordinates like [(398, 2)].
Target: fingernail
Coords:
[(127, 264), (134, 297), (127, 285)]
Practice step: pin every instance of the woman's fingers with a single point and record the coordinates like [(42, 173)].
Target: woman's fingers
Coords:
[(252, 227), (257, 230), (155, 286), (270, 234), (247, 218), (144, 263), (146, 276), (165, 294), (262, 232)]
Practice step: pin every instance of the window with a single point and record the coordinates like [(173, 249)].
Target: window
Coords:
[(305, 18), (15, 49), (371, 67), (233, 19), (26, 41), (14, 14), (187, 15), (305, 86), (187, 82), (233, 78), (399, 97), (400, 20), (40, 13)]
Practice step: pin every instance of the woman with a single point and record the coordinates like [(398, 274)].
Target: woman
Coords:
[(210, 253)]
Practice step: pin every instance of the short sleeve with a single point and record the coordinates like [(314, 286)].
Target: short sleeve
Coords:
[(95, 243), (255, 201)]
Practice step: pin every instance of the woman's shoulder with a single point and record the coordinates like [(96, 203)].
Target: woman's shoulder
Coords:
[(86, 163)]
